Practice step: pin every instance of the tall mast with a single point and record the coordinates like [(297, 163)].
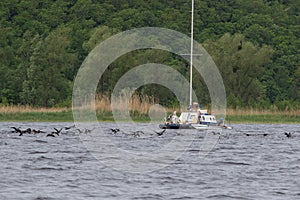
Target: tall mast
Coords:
[(191, 58)]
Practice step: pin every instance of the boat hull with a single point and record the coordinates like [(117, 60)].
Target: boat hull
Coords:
[(192, 126), (176, 126)]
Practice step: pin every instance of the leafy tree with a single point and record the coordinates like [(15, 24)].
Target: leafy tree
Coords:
[(266, 69), (240, 64), (47, 84)]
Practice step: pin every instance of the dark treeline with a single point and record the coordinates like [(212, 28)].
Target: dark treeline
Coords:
[(255, 44)]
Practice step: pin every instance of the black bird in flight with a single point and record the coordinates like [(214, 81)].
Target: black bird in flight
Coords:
[(160, 133), (115, 130), (56, 131), (16, 130), (37, 131), (50, 135), (27, 131), (69, 127), (288, 134), (21, 132)]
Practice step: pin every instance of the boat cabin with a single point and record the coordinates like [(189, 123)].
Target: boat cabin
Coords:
[(200, 117)]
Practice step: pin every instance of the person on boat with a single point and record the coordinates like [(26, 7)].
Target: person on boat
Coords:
[(175, 118), (199, 116), (169, 119)]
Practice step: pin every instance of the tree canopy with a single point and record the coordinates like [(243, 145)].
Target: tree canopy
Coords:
[(255, 44)]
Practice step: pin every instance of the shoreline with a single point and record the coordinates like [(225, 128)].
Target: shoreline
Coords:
[(67, 116)]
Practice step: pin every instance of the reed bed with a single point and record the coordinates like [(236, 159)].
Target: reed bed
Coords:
[(29, 109), (243, 112), (139, 107), (137, 103)]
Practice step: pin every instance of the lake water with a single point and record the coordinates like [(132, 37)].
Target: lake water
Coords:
[(248, 162)]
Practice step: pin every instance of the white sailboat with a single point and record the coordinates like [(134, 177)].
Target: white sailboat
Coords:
[(195, 117)]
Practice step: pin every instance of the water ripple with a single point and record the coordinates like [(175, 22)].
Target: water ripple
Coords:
[(239, 167)]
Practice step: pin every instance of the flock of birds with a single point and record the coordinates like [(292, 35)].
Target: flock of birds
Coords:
[(56, 131), (287, 134), (136, 133)]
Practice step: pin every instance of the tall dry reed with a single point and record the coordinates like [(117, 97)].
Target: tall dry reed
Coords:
[(27, 109), (140, 103)]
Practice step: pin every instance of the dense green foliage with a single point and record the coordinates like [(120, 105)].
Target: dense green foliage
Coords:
[(255, 43)]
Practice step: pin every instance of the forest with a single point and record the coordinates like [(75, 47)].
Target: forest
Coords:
[(254, 43)]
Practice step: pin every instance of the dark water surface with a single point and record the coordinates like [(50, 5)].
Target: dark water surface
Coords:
[(245, 164)]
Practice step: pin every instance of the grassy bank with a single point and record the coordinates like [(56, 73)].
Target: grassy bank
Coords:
[(263, 119), (19, 113), (30, 114), (262, 116)]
